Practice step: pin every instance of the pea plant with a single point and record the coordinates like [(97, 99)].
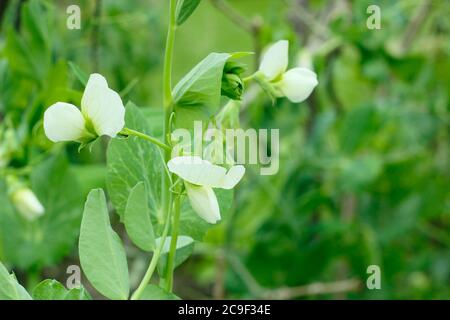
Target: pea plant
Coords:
[(167, 191)]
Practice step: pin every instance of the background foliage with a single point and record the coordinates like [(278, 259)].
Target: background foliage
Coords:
[(364, 175)]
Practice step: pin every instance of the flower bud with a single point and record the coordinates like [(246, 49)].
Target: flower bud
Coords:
[(27, 204), (204, 201), (232, 84), (24, 199), (8, 146)]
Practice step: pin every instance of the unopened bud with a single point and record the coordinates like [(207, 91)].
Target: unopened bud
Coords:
[(26, 203), (232, 84)]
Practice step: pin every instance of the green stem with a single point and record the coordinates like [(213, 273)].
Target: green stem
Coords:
[(173, 244), (168, 100), (131, 132), (168, 56), (168, 105), (267, 86), (153, 263), (249, 78)]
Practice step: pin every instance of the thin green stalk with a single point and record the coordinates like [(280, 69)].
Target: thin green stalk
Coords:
[(173, 244), (249, 78), (168, 56), (153, 263), (131, 132), (168, 100)]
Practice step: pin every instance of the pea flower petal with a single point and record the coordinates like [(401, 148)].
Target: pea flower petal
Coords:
[(204, 201), (200, 176), (298, 83), (275, 60), (233, 176), (103, 107), (64, 122), (195, 170)]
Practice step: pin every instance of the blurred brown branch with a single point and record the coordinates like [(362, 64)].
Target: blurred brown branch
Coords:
[(315, 289), (283, 293), (233, 14), (416, 23), (252, 26), (317, 27)]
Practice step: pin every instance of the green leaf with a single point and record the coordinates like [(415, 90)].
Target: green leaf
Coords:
[(197, 95), (357, 128), (18, 56), (90, 176), (52, 236), (351, 87), (185, 247), (10, 289), (102, 255), (78, 294), (153, 292), (35, 18), (49, 290), (241, 54), (30, 50), (356, 174), (182, 241), (53, 290), (184, 10), (131, 161), (80, 74), (156, 117), (137, 218)]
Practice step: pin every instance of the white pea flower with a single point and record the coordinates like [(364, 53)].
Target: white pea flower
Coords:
[(200, 177), (102, 113), (27, 204), (297, 83)]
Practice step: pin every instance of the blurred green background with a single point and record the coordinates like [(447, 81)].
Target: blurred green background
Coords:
[(364, 175)]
